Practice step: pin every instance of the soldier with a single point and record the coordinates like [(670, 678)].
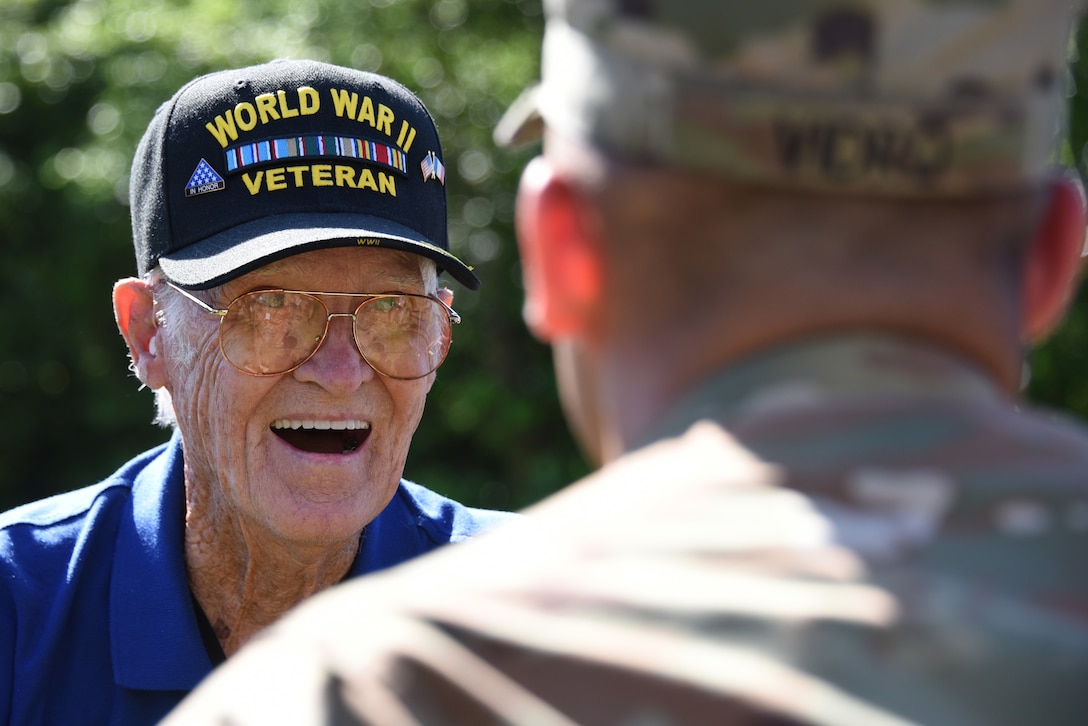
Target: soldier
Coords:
[(789, 256)]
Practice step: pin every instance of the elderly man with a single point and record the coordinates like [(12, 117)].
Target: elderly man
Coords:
[(788, 255), (290, 225)]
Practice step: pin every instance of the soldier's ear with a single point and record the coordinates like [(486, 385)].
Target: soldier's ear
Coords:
[(134, 309), (1054, 259), (560, 254)]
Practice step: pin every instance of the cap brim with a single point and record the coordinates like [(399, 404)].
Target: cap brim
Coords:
[(522, 123), (224, 256)]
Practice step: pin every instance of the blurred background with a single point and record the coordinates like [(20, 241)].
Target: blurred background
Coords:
[(79, 82)]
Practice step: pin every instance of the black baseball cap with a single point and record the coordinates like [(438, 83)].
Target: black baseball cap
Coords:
[(244, 167)]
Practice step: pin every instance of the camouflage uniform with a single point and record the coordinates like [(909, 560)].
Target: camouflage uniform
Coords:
[(914, 554), (904, 97), (856, 530)]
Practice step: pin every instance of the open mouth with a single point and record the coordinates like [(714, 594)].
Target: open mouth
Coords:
[(322, 437)]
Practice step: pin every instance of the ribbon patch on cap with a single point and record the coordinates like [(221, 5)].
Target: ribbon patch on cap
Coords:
[(433, 168), (244, 155), (204, 180)]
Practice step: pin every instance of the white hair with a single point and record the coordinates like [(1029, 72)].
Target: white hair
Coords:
[(173, 313)]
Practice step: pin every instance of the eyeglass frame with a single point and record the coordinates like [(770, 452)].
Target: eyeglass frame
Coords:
[(221, 313)]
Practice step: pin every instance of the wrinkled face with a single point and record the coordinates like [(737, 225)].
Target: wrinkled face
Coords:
[(310, 456)]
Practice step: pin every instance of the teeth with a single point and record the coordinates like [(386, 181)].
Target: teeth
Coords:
[(320, 425)]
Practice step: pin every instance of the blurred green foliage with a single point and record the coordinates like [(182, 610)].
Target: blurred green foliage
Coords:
[(79, 82)]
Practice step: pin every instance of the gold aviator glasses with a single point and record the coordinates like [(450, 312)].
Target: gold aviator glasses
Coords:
[(404, 336)]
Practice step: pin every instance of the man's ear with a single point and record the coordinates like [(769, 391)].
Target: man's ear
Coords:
[(134, 308), (560, 254), (1054, 260)]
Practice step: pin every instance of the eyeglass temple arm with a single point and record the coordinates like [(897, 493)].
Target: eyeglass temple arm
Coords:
[(454, 317), (198, 301)]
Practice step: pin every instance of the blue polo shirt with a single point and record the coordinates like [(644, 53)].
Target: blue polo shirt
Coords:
[(97, 622)]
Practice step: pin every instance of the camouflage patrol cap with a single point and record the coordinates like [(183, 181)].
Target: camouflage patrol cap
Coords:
[(912, 97)]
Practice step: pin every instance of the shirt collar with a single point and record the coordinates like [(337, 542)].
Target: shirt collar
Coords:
[(155, 640), (835, 368)]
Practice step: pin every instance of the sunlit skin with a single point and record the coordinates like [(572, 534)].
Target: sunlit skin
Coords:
[(267, 523), (620, 367)]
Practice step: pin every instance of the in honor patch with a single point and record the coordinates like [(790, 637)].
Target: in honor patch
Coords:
[(433, 168), (204, 180)]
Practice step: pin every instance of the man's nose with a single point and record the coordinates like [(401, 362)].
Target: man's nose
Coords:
[(337, 366)]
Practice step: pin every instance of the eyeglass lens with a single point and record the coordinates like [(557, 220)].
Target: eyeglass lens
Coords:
[(268, 332)]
